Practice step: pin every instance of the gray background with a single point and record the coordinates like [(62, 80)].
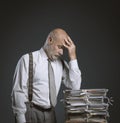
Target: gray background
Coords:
[(92, 25)]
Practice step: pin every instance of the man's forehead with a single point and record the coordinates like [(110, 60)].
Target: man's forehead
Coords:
[(63, 37), (60, 38), (60, 42)]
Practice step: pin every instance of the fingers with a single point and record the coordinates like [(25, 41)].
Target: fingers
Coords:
[(65, 44), (68, 42), (69, 39)]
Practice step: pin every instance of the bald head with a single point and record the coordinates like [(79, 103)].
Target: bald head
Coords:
[(57, 34)]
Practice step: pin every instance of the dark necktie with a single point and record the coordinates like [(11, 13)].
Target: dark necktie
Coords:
[(52, 87)]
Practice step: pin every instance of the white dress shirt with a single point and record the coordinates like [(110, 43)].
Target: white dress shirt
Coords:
[(70, 75)]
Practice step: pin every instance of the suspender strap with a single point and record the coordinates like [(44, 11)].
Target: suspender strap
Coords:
[(30, 88)]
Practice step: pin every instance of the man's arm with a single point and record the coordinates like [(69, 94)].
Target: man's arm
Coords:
[(71, 73), (18, 94)]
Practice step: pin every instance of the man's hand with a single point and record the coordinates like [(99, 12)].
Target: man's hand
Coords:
[(68, 43)]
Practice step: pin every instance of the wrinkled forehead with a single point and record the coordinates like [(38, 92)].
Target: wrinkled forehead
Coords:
[(60, 41), (60, 38)]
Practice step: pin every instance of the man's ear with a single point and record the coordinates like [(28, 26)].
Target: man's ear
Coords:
[(50, 40)]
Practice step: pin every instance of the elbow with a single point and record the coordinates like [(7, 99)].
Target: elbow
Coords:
[(76, 83)]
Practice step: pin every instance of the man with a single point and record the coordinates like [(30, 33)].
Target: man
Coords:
[(42, 109)]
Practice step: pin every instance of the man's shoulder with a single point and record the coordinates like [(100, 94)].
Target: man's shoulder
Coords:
[(33, 53), (26, 55)]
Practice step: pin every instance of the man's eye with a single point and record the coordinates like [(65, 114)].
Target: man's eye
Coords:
[(59, 47)]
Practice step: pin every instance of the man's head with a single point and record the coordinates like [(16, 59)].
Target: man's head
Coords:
[(54, 43)]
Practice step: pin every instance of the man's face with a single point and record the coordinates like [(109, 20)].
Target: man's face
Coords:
[(56, 49)]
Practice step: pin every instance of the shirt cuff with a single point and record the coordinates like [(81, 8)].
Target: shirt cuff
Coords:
[(73, 64), (20, 118)]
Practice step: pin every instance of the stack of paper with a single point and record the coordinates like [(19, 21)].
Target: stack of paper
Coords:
[(86, 105)]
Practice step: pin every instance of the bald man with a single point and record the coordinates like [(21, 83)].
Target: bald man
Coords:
[(44, 98)]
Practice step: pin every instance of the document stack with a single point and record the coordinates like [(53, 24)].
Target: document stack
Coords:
[(86, 106)]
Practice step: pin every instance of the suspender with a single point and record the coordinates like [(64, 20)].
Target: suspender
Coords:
[(30, 87)]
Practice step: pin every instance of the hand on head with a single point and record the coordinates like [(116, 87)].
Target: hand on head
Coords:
[(68, 43)]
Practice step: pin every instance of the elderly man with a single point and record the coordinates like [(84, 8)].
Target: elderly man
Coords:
[(49, 71)]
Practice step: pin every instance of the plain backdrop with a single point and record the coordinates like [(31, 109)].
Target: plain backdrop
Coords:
[(92, 25)]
